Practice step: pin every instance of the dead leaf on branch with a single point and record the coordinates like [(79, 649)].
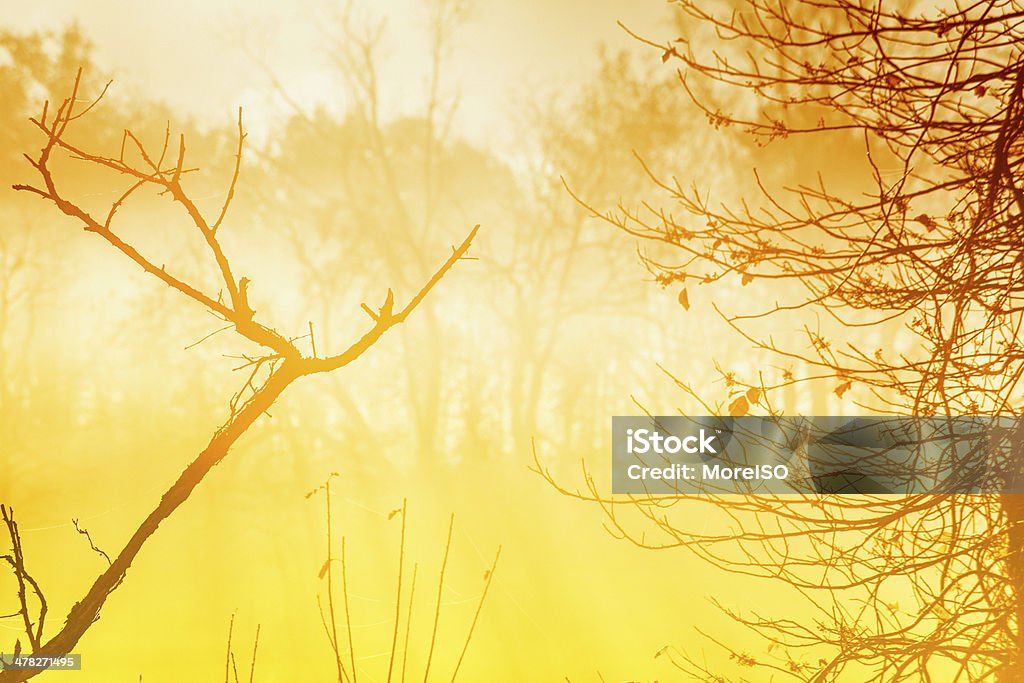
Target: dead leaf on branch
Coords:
[(927, 221), (684, 299), (739, 407)]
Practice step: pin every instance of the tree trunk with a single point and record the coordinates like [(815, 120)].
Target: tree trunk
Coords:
[(84, 613), (1013, 506)]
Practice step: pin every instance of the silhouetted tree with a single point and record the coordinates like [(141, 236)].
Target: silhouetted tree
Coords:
[(272, 362), (924, 247)]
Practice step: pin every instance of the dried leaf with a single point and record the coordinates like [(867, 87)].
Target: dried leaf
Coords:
[(746, 279), (927, 221), (754, 395), (739, 407), (843, 388), (684, 299), (980, 91), (323, 569)]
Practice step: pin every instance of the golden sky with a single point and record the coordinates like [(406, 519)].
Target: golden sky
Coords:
[(201, 56)]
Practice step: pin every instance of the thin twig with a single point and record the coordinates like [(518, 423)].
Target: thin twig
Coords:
[(398, 596), (227, 657), (332, 633), (255, 645), (408, 618), (440, 591), (88, 537), (214, 333), (17, 562), (348, 613), (488, 577)]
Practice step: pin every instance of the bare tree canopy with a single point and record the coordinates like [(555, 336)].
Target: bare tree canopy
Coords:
[(925, 247)]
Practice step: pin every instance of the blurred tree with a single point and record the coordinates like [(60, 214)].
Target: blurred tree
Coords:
[(43, 388), (31, 66), (923, 249), (373, 189), (565, 277)]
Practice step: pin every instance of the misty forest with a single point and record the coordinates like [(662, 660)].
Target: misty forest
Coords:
[(316, 384)]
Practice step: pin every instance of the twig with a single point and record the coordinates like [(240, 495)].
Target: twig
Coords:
[(214, 333), (348, 614), (17, 562), (440, 591), (408, 619), (85, 532), (398, 596), (488, 577), (227, 657), (255, 645), (234, 176), (332, 628)]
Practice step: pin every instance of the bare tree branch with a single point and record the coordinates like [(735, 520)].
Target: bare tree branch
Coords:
[(271, 374)]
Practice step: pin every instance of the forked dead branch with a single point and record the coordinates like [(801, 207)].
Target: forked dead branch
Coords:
[(280, 362)]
